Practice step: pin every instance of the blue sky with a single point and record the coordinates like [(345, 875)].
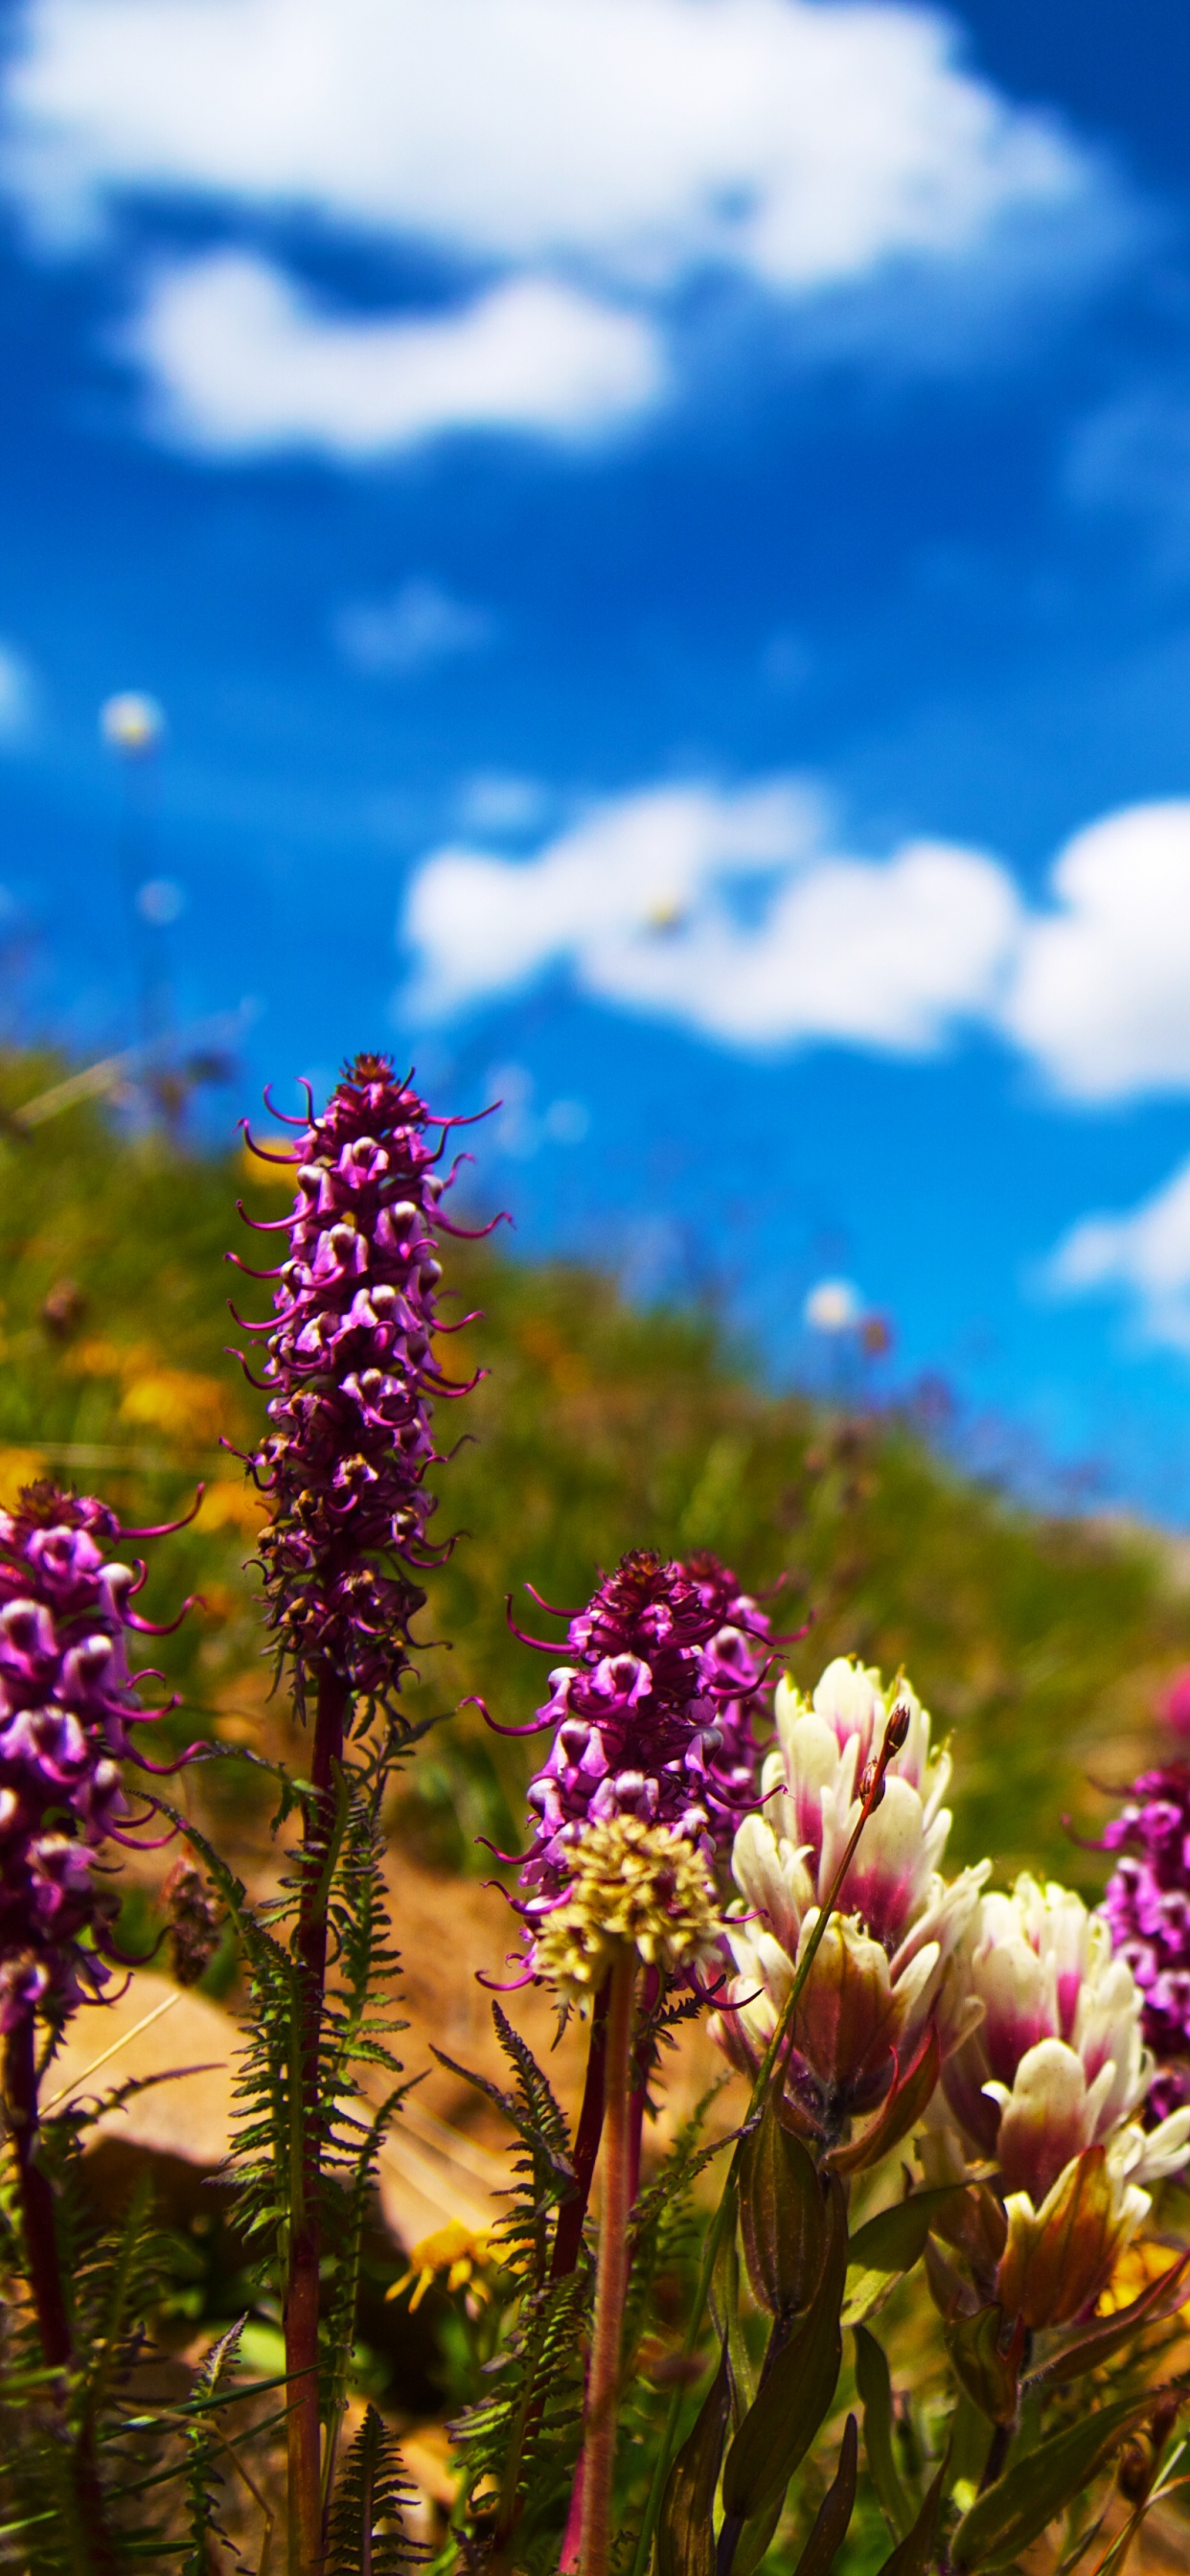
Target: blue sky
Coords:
[(661, 529)]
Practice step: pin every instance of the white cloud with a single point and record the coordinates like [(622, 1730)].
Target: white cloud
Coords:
[(242, 363), (1145, 1255), (736, 914), (728, 912), (420, 626), (801, 143), (589, 150), (1101, 1000)]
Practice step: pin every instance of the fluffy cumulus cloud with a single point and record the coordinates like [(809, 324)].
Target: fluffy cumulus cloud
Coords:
[(737, 914), (1144, 1256), (728, 912), (596, 151), (1101, 1000), (240, 361)]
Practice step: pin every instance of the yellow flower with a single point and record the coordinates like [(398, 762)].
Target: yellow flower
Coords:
[(454, 2254), (1140, 2264)]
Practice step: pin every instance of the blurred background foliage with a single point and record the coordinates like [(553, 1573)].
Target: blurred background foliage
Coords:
[(1042, 1644)]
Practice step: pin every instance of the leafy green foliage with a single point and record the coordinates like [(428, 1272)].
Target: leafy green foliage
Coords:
[(204, 2474), (523, 2434), (368, 2536)]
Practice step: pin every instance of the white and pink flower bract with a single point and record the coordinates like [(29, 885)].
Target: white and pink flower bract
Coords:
[(1049, 2083), (1057, 2062), (881, 1977)]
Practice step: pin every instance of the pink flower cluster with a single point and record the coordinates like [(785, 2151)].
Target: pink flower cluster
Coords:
[(350, 1373), (67, 1703), (1146, 1907), (653, 1715)]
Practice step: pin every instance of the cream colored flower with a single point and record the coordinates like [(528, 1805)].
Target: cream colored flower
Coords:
[(882, 1974), (1056, 2064)]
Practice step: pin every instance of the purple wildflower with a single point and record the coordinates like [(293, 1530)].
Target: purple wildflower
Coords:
[(738, 1654), (350, 1372), (1147, 1909), (653, 1716), (67, 1703)]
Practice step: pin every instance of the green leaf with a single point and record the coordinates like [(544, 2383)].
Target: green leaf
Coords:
[(1088, 2350), (834, 2513), (1017, 2508), (782, 2216), (875, 2390), (795, 2393), (984, 2365), (725, 2312), (686, 2532), (896, 2239), (914, 2555)]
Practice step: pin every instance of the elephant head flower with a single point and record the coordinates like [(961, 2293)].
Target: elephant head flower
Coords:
[(880, 1982), (351, 1373), (1146, 1907), (67, 1705), (652, 1717)]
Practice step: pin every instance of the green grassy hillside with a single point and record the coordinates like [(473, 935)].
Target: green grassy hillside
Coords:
[(1041, 1643)]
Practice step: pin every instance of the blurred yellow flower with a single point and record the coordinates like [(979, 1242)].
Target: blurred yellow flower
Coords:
[(455, 2255), (272, 1175), (177, 1401), (18, 1467), (232, 1503), (1141, 2263)]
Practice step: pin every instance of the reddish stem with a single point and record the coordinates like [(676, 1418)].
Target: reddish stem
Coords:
[(302, 2301), (642, 2067), (40, 2230), (611, 2279), (37, 2198), (568, 2235)]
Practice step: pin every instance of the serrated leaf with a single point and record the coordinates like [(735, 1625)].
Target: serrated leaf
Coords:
[(875, 2390), (686, 2531), (1017, 2508)]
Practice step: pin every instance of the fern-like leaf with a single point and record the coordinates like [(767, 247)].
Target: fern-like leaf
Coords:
[(368, 2534)]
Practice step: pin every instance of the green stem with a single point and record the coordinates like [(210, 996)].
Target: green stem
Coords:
[(611, 2278), (725, 2215)]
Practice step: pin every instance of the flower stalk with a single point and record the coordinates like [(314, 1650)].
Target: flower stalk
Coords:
[(611, 2279), (302, 2304), (724, 2221), (36, 2197), (351, 1375)]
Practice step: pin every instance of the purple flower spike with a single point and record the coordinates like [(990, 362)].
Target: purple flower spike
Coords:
[(350, 1373), (67, 1704), (1147, 1910), (653, 1716)]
